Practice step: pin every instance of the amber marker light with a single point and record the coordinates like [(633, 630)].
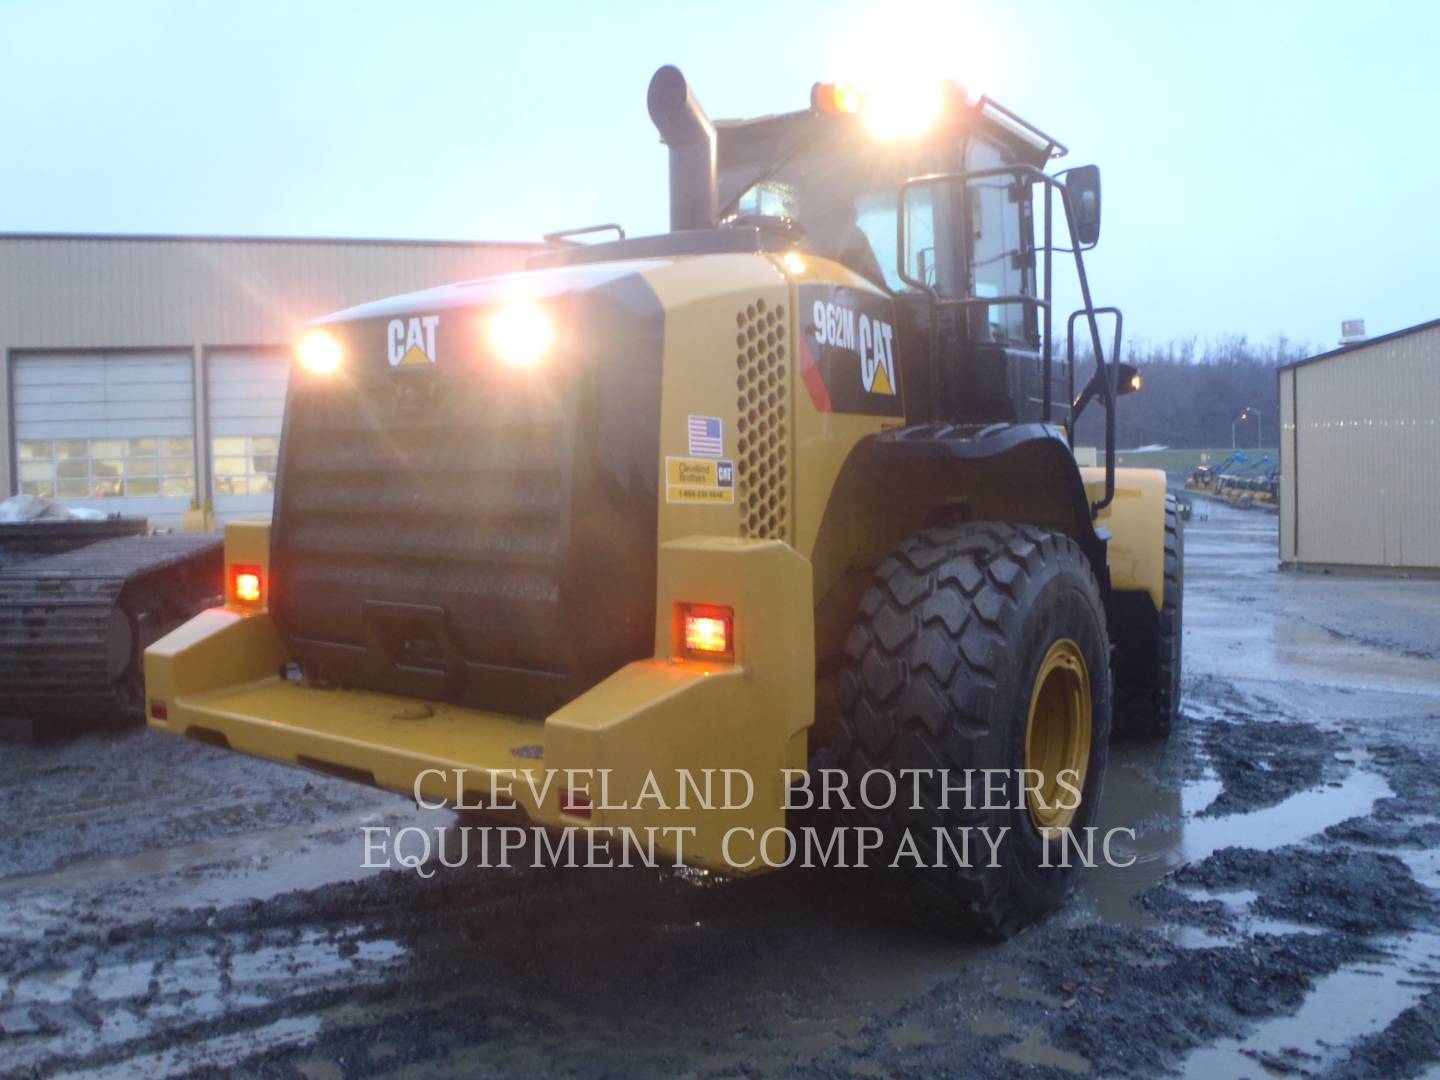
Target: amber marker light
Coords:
[(320, 352), (837, 99), (247, 585), (707, 632)]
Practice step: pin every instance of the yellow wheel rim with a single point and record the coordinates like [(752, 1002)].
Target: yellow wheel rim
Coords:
[(1057, 736)]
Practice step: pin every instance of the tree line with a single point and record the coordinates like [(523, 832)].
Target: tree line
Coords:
[(1192, 393)]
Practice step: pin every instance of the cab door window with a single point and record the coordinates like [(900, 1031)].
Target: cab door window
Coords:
[(1001, 244)]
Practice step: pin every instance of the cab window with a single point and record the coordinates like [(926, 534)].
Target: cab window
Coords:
[(1001, 254)]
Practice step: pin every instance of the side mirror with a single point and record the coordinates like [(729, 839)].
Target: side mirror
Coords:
[(1082, 184), (1127, 381)]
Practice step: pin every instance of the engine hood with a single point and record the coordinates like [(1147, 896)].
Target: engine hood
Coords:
[(545, 284)]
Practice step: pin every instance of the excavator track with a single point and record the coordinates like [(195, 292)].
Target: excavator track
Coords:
[(74, 624)]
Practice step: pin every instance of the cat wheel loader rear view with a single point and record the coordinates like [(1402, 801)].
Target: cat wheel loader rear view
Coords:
[(789, 484)]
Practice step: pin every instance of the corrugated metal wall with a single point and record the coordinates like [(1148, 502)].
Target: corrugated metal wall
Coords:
[(1287, 465), (115, 293), (1360, 453)]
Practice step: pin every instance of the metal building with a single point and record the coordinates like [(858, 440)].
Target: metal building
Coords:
[(1360, 455), (146, 373)]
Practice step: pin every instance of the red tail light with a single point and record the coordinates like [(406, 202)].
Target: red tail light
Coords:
[(707, 632), (575, 804)]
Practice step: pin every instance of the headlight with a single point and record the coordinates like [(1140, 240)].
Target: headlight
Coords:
[(320, 352), (521, 334), (896, 111), (903, 111)]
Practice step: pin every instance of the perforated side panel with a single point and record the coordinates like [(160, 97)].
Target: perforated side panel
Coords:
[(763, 466)]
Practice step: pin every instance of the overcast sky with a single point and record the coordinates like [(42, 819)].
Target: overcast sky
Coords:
[(1269, 168)]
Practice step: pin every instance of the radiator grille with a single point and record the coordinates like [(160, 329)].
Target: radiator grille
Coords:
[(439, 495), (762, 466)]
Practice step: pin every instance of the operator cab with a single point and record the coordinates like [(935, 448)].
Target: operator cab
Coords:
[(837, 185), (945, 208), (840, 189)]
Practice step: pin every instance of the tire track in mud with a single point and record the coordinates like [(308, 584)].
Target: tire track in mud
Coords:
[(397, 970)]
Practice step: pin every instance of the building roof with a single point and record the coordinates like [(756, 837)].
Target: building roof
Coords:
[(1431, 325), (233, 239)]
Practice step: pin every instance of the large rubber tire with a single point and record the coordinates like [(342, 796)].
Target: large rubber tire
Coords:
[(1148, 647), (941, 666)]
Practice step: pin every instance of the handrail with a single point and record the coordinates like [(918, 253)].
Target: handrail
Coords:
[(1112, 395), (1054, 148), (1088, 309), (562, 236)]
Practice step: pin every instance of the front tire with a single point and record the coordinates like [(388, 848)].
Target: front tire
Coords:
[(979, 647)]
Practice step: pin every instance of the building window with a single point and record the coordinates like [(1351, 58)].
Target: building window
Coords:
[(245, 464), (107, 468)]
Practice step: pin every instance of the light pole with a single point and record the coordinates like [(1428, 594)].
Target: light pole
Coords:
[(1246, 416)]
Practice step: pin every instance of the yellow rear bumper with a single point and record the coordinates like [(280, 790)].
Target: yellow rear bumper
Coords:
[(639, 744)]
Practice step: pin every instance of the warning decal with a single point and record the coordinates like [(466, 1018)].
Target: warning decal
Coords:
[(699, 480)]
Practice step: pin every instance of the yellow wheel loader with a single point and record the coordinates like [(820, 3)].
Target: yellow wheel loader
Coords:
[(787, 487)]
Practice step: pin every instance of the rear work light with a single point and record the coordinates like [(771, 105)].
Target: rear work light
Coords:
[(247, 585), (707, 632)]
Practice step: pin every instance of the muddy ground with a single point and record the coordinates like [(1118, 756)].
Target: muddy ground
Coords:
[(171, 909)]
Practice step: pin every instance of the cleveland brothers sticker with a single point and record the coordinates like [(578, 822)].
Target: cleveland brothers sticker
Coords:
[(699, 480)]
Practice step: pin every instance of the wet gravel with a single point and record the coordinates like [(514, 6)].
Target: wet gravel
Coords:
[(1263, 764), (169, 909)]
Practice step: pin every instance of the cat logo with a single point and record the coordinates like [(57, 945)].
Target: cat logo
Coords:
[(877, 357), (412, 341), (836, 326)]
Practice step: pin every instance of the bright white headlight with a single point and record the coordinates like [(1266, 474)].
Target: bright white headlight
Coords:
[(903, 110), (320, 352), (521, 334)]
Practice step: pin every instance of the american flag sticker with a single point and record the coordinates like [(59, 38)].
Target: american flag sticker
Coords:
[(705, 437)]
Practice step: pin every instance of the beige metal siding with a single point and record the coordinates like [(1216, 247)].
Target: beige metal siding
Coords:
[(89, 292), (1287, 466), (1367, 453)]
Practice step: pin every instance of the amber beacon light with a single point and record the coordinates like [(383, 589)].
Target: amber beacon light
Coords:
[(247, 585)]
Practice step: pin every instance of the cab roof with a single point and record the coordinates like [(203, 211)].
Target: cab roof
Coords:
[(764, 142)]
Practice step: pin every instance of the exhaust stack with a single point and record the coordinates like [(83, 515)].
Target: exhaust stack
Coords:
[(690, 136)]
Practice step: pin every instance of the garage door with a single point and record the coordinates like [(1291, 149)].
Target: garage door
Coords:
[(111, 431), (246, 406)]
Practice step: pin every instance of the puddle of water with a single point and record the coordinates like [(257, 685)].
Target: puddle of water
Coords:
[(1299, 817), (1424, 865), (912, 1034), (1179, 836), (47, 988), (1197, 795), (1348, 1004), (120, 982), (1036, 1049), (1239, 901), (252, 866), (190, 989), (216, 1052), (990, 1024)]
